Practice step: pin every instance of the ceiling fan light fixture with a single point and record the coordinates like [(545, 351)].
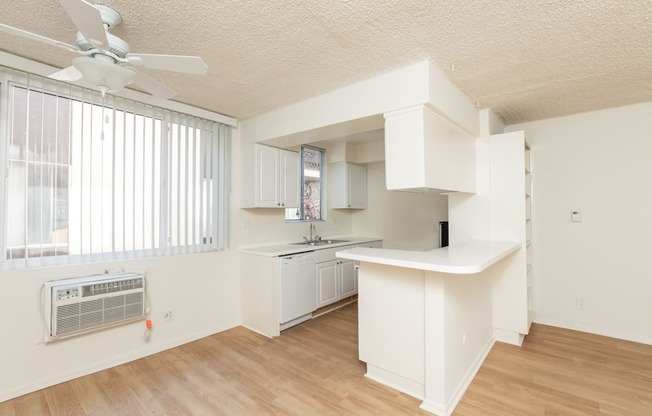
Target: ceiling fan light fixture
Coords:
[(106, 75), (105, 53)]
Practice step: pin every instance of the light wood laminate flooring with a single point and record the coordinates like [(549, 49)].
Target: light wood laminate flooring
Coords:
[(312, 369)]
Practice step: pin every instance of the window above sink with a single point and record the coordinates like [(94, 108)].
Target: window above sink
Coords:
[(312, 185)]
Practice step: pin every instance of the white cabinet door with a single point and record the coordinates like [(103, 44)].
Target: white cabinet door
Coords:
[(267, 177), (290, 179), (349, 189), (357, 183), (338, 189), (348, 283), (327, 283)]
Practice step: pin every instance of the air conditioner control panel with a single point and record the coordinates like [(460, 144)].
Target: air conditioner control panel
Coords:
[(67, 292)]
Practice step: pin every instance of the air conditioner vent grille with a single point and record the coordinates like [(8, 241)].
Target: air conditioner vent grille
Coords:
[(66, 325), (133, 311), (114, 302), (100, 288), (84, 304), (134, 298), (67, 311), (91, 306), (90, 320)]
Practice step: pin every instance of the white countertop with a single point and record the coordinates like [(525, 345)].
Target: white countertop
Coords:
[(466, 258), (276, 249)]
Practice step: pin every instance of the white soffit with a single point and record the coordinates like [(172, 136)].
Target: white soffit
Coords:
[(526, 60)]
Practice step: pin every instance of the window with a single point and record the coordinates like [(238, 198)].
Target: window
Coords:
[(106, 178), (312, 195)]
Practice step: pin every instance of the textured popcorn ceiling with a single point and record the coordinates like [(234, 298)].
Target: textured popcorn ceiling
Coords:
[(525, 59)]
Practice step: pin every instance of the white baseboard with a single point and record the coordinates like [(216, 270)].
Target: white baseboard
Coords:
[(296, 321), (468, 377), (400, 383), (259, 332), (112, 362), (447, 409), (509, 337), (434, 408), (593, 330), (417, 390), (335, 308)]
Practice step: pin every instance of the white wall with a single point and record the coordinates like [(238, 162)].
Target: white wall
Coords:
[(397, 89), (202, 289), (468, 332), (598, 163), (268, 225), (470, 214), (405, 220)]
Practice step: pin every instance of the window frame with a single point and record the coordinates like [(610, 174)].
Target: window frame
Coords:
[(220, 143), (322, 189)]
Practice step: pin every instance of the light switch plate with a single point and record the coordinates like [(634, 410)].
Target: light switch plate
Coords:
[(576, 215)]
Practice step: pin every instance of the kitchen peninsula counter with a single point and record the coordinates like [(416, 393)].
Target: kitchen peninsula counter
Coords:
[(425, 319), (466, 258)]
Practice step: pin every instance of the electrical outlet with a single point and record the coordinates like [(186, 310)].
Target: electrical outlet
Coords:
[(579, 302), (464, 339), (168, 315)]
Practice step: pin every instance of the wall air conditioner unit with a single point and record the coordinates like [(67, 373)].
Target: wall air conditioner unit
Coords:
[(80, 305)]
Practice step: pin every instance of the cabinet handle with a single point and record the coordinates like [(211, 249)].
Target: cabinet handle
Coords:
[(278, 204)]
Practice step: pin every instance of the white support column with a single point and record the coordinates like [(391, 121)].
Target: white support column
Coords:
[(435, 330)]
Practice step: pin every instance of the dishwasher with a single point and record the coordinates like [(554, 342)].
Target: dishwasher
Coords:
[(298, 288)]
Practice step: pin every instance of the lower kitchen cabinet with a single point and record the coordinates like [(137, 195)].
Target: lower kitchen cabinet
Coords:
[(348, 279), (327, 283), (336, 279), (261, 284)]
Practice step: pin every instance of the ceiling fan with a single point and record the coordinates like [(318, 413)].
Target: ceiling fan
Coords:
[(106, 62)]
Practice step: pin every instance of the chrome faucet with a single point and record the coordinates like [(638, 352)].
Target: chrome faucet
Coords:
[(312, 239)]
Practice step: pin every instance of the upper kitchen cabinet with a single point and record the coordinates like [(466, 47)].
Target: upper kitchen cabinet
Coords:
[(426, 152), (270, 177), (349, 185)]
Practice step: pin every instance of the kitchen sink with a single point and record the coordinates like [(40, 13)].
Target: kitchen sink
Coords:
[(321, 242)]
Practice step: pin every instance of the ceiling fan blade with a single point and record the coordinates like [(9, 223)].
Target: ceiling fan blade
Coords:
[(67, 74), (88, 20), (34, 36), (152, 86), (176, 63)]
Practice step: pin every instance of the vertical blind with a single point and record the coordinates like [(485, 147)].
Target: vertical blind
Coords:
[(92, 177)]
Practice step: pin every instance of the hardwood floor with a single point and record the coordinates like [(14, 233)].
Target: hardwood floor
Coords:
[(312, 369), (562, 372)]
